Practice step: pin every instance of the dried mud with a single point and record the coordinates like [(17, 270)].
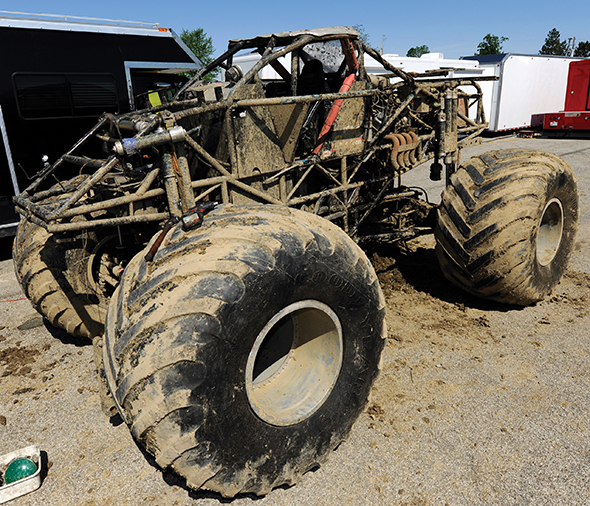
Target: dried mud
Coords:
[(423, 307)]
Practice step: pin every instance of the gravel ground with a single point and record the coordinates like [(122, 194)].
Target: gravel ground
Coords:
[(476, 404)]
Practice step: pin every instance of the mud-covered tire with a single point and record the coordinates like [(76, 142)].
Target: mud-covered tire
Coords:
[(507, 224), (190, 343), (53, 275)]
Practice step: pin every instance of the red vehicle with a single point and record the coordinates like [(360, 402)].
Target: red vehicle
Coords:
[(576, 113)]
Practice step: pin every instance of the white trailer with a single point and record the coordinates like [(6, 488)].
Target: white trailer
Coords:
[(427, 62), (526, 85)]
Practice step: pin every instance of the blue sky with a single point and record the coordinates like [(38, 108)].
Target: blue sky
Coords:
[(454, 28)]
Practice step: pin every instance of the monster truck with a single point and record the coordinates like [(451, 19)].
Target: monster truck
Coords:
[(210, 246)]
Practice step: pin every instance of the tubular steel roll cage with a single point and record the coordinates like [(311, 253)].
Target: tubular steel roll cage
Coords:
[(441, 141)]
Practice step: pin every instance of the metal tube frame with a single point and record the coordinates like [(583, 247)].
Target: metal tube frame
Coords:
[(179, 189)]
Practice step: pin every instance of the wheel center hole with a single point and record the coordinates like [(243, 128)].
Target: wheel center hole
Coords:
[(274, 350), (294, 363), (550, 232)]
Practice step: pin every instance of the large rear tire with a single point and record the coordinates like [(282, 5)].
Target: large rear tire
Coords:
[(507, 225), (242, 355)]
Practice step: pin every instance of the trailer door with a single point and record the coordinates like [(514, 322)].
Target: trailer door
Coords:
[(577, 97)]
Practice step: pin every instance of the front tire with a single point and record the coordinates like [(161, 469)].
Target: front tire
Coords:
[(507, 224), (54, 276), (243, 354)]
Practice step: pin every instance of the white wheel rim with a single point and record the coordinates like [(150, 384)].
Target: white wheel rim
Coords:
[(294, 363), (550, 232)]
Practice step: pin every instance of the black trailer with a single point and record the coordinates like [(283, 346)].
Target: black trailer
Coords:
[(60, 73)]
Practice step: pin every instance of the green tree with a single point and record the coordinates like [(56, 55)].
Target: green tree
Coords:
[(364, 36), (491, 44), (417, 51), (553, 44), (202, 47), (583, 49)]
